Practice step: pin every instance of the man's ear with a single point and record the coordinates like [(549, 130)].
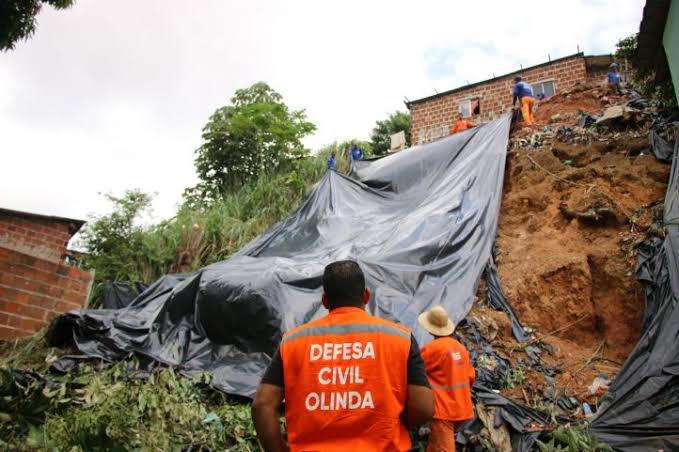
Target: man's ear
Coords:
[(324, 301), (366, 296)]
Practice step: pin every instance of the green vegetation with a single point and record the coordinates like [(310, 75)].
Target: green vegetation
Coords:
[(120, 408), (643, 78), (573, 438), (515, 376), (381, 134), (256, 134), (121, 249), (17, 19)]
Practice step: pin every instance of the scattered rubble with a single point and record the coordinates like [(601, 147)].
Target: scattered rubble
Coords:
[(583, 188)]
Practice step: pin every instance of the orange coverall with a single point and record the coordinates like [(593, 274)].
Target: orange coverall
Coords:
[(451, 375)]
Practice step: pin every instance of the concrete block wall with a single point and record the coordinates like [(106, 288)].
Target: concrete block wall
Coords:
[(432, 117)]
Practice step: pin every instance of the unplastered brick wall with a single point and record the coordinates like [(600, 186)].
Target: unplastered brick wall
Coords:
[(33, 291), (43, 238), (432, 117)]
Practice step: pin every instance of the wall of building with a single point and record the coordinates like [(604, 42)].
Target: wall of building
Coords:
[(35, 283), (34, 291), (671, 44), (38, 237), (432, 118)]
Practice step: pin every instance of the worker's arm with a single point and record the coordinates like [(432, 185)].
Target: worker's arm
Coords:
[(419, 399), (419, 406), (265, 409)]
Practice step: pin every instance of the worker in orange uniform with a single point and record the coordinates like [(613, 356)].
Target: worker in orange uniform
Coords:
[(351, 381), (523, 92), (451, 376), (461, 124)]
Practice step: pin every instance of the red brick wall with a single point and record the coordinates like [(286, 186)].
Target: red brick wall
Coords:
[(432, 118), (42, 238), (33, 291)]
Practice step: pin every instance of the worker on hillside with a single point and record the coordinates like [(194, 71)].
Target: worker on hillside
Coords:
[(351, 381), (523, 92), (356, 153), (450, 375), (332, 163), (461, 124), (613, 78)]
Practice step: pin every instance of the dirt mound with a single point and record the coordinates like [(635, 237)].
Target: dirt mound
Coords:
[(575, 203)]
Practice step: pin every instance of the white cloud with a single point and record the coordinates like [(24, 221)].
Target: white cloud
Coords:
[(112, 94)]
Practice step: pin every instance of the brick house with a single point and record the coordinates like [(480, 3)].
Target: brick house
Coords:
[(36, 284), (433, 116)]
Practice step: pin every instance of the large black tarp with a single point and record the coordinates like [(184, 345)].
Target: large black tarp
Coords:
[(421, 223), (640, 412), (117, 295)]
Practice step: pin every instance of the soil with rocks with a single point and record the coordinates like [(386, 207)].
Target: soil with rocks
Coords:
[(576, 202)]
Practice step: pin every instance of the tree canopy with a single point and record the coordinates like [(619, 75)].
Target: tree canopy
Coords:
[(114, 242), (17, 19), (381, 134), (255, 134)]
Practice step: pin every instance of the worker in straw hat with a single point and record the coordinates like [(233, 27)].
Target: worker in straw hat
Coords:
[(450, 375)]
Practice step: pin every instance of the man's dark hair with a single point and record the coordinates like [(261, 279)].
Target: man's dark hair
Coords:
[(343, 284)]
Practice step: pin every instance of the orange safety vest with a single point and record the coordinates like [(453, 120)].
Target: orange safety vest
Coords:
[(346, 383), (461, 125), (451, 376)]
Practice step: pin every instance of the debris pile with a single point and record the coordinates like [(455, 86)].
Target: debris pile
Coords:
[(584, 187)]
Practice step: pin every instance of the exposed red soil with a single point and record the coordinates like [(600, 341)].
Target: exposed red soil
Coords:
[(570, 217)]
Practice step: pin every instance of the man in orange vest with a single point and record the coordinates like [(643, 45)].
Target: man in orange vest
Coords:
[(451, 376), (351, 381), (461, 124)]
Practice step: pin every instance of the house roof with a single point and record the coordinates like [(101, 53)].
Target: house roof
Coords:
[(73, 224), (473, 85)]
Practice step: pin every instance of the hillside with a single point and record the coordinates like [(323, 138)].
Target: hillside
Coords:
[(576, 202)]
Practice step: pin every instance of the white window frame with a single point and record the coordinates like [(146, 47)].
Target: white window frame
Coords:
[(547, 80), (468, 103)]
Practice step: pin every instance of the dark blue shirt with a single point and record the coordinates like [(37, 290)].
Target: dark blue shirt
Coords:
[(614, 77), (523, 89), (332, 164), (356, 153)]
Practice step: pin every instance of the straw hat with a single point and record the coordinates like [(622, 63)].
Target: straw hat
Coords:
[(436, 321)]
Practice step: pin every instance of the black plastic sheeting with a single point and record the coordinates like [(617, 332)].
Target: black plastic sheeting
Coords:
[(421, 223), (660, 148), (640, 412), (523, 423), (120, 294), (496, 300)]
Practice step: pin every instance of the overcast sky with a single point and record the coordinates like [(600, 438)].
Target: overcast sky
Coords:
[(112, 94)]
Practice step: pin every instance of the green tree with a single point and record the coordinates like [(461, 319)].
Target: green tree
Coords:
[(256, 134), (643, 77), (17, 19), (381, 134), (114, 243)]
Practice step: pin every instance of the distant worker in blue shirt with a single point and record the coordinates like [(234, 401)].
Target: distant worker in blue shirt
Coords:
[(356, 152), (332, 163), (614, 78), (523, 92)]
